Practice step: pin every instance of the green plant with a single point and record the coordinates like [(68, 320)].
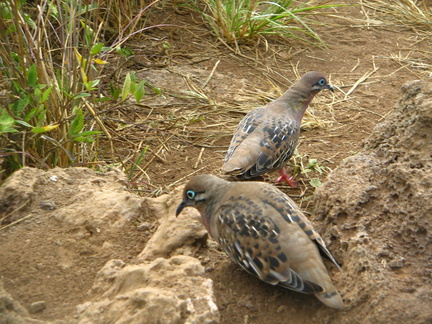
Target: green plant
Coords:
[(52, 56), (310, 168), (236, 21)]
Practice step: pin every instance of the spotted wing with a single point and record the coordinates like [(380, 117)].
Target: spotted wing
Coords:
[(262, 143), (291, 213), (247, 233), (278, 143), (247, 126)]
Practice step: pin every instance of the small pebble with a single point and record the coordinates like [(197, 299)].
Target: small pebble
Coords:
[(37, 307), (143, 226), (397, 263), (334, 231), (48, 205)]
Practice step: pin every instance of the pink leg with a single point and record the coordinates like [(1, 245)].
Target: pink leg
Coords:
[(285, 176)]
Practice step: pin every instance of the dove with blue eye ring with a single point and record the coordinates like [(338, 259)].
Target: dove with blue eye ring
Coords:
[(261, 229), (266, 137)]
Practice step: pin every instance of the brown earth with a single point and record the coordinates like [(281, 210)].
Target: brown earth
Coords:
[(73, 222)]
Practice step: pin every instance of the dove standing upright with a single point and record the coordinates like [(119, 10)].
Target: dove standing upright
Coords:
[(264, 231), (266, 137)]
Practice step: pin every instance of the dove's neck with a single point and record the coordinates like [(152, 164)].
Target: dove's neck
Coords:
[(211, 205), (296, 101)]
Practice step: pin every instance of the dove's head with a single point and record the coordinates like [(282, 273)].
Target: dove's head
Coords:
[(297, 98), (314, 82), (200, 191)]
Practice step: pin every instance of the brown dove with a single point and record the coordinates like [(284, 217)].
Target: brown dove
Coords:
[(265, 232), (266, 137)]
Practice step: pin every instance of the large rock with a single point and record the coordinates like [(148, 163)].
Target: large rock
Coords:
[(164, 291), (174, 235), (376, 210), (78, 195)]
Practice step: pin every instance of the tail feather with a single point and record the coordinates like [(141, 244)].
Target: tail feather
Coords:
[(239, 163), (331, 299), (318, 274), (230, 167)]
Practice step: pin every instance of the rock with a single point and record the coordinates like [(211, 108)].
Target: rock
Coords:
[(12, 311), (88, 216), (163, 291), (173, 232), (18, 194), (47, 204), (246, 301), (83, 193), (143, 226), (37, 307), (395, 264), (375, 209)]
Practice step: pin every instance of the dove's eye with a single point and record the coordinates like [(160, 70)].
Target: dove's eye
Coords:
[(322, 82), (190, 194)]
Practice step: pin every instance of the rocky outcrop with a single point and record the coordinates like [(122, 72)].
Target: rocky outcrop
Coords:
[(376, 208), (172, 290)]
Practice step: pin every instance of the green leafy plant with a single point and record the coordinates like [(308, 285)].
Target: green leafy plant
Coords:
[(52, 57), (236, 21), (310, 168)]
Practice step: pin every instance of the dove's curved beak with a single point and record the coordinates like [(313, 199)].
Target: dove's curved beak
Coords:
[(180, 207), (330, 87)]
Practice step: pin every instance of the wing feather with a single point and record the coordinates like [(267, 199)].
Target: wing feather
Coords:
[(247, 233), (261, 143)]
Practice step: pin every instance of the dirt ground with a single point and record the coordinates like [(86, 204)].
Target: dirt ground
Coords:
[(367, 61)]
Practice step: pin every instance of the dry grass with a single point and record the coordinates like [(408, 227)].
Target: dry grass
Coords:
[(419, 64), (191, 115), (414, 14), (188, 114), (417, 14)]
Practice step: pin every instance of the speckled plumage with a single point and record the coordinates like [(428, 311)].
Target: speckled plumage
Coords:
[(266, 137), (265, 232)]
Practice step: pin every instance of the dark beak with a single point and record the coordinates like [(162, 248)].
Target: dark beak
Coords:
[(330, 88), (180, 207)]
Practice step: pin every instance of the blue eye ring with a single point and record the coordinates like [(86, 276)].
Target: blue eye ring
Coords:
[(322, 82), (190, 194)]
